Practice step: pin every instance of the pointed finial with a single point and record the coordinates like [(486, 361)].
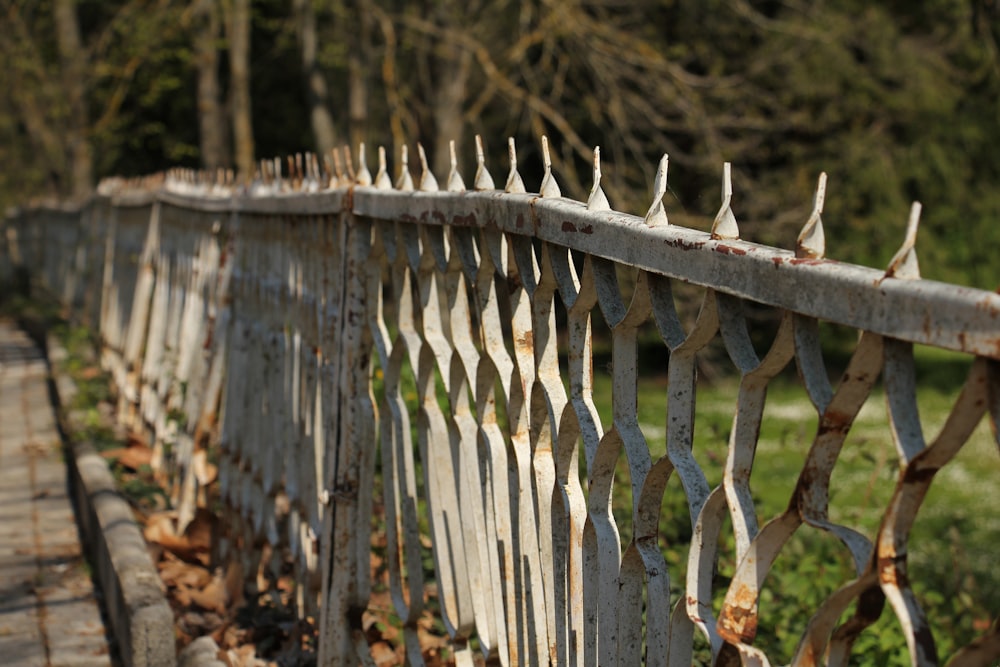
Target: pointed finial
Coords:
[(293, 179), (364, 176), (657, 214), (279, 184), (514, 182), (549, 186), (405, 181), (811, 243), (597, 201), (427, 181), (483, 179), (904, 263), (317, 175), (724, 226), (329, 177), (455, 182), (382, 180)]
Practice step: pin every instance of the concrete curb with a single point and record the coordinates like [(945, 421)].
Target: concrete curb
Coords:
[(142, 621)]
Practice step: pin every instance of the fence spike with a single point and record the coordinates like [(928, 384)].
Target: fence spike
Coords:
[(382, 180), (405, 181), (427, 181), (597, 201), (455, 182), (338, 167), (904, 263), (483, 179), (278, 182), (657, 214), (514, 181), (364, 176), (812, 239), (549, 187), (317, 174), (725, 225), (293, 179), (328, 176)]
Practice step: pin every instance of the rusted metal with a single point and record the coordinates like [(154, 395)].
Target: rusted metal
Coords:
[(321, 316)]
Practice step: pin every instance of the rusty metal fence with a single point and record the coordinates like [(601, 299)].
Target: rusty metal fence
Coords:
[(416, 363)]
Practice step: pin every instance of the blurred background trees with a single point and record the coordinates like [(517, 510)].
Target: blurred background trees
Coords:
[(896, 100)]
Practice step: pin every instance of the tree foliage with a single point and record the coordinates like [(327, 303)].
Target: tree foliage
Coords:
[(896, 100)]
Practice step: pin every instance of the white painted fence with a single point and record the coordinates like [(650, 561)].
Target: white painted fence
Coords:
[(344, 348)]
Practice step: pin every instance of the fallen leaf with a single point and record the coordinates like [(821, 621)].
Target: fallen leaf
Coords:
[(132, 457), (199, 531), (242, 656), (383, 654), (204, 472), (212, 597), (159, 525), (234, 584)]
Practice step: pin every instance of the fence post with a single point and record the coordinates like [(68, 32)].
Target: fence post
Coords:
[(344, 550)]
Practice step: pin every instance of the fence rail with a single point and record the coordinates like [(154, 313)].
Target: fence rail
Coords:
[(351, 350)]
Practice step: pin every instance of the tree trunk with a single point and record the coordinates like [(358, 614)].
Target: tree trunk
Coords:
[(358, 60), (73, 65), (239, 86), (211, 112), (317, 94), (448, 108)]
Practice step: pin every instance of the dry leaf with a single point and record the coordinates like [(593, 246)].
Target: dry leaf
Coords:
[(132, 457), (212, 597), (204, 471), (199, 531), (159, 525), (234, 584), (430, 641), (383, 654), (242, 656)]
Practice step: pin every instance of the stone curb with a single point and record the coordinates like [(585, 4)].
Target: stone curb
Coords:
[(141, 619)]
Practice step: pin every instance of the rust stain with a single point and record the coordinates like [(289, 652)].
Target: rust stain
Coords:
[(527, 340), (464, 220), (519, 221), (568, 226), (892, 570), (738, 622), (678, 243), (919, 474), (730, 250)]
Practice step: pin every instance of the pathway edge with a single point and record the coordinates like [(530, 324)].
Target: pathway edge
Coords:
[(141, 618)]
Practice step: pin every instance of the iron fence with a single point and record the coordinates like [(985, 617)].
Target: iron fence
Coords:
[(413, 367)]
